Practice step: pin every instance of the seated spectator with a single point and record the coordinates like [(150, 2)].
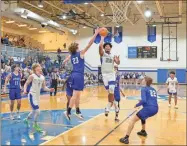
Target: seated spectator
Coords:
[(59, 51), (6, 40)]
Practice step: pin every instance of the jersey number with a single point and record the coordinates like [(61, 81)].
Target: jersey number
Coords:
[(75, 60), (153, 93), (108, 60), (16, 83)]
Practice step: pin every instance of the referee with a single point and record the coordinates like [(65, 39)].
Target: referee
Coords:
[(55, 77)]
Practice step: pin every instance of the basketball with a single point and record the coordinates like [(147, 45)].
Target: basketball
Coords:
[(103, 32)]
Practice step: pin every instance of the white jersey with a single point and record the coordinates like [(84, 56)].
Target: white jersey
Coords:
[(37, 84), (172, 84), (107, 63)]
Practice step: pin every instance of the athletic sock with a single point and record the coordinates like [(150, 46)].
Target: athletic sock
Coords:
[(126, 136), (69, 111), (142, 130), (77, 110)]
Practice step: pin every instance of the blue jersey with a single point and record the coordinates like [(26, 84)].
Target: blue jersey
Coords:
[(15, 81), (148, 97), (78, 63), (117, 89)]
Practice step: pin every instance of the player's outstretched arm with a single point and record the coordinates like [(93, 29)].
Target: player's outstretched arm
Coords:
[(143, 98), (29, 80), (66, 60), (91, 42), (122, 92), (46, 88), (6, 82), (101, 52)]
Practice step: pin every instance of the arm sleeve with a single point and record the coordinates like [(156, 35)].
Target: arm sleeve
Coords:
[(143, 98)]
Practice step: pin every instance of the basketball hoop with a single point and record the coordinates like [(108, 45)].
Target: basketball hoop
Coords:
[(119, 10)]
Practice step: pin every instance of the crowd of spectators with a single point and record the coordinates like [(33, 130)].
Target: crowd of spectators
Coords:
[(17, 41)]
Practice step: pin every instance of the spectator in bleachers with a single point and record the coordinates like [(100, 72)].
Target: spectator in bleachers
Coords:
[(5, 40)]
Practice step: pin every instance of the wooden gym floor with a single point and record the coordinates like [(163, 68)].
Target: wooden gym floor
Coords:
[(168, 127)]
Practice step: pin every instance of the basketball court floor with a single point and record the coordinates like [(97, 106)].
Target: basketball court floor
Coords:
[(168, 127)]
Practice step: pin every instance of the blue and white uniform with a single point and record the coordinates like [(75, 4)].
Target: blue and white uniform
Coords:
[(15, 90), (149, 103), (108, 73), (77, 75), (34, 93)]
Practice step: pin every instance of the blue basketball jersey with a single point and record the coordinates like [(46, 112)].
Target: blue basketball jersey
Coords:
[(148, 97), (78, 63), (15, 81), (117, 88)]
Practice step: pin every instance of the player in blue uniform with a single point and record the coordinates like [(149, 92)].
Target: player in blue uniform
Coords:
[(14, 78), (117, 91), (150, 108), (77, 74)]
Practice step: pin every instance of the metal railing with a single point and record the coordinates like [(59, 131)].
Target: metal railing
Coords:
[(19, 52)]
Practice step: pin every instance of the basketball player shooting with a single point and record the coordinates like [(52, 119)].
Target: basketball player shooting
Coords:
[(108, 72)]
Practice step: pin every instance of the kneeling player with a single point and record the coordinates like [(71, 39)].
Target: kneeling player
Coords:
[(150, 108)]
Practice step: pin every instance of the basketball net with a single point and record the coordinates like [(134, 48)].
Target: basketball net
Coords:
[(119, 10)]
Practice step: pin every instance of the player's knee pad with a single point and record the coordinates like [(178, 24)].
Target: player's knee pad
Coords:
[(111, 89), (143, 122)]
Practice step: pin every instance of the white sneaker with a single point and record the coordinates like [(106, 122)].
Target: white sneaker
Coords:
[(11, 117), (176, 107), (18, 116), (169, 105), (67, 116), (79, 115)]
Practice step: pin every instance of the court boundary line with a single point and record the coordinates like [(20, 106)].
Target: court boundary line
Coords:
[(71, 129), (116, 127)]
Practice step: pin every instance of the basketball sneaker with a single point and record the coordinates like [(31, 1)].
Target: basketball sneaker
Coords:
[(79, 115), (106, 112), (26, 121), (18, 116), (116, 117), (37, 127), (67, 116), (176, 107), (124, 140), (11, 116), (142, 133)]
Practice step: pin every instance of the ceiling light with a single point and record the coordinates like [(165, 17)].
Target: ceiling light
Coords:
[(40, 4), (24, 14), (84, 27), (139, 2), (118, 26), (33, 28), (22, 25), (85, 3), (42, 31), (64, 17), (154, 25), (10, 21), (102, 15), (148, 13)]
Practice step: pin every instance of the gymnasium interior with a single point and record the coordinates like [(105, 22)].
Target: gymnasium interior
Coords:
[(148, 36)]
